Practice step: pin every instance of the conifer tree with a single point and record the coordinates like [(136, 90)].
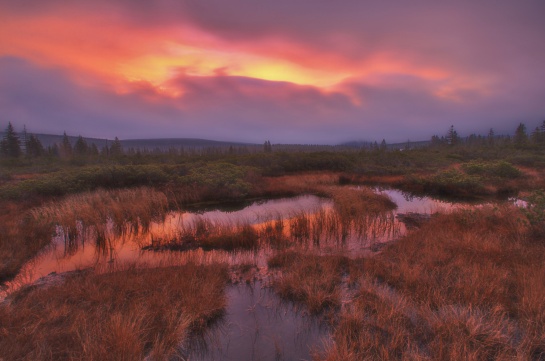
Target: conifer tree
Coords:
[(536, 136), (10, 144), (491, 136), (521, 138), (93, 150), (116, 148), (81, 148), (66, 146), (452, 136), (34, 147)]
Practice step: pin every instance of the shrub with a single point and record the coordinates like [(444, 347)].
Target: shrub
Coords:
[(221, 179), (453, 183), (501, 169)]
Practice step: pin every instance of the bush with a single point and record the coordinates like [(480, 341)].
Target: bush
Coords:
[(221, 179), (499, 169), (89, 178), (453, 183)]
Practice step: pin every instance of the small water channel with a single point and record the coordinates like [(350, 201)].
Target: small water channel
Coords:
[(257, 324)]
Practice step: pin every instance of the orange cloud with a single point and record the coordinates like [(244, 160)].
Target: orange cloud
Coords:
[(119, 52)]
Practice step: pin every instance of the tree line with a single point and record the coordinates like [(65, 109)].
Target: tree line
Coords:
[(14, 145), (520, 138)]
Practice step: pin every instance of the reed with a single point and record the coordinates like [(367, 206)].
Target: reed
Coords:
[(311, 280), (102, 215), (209, 235)]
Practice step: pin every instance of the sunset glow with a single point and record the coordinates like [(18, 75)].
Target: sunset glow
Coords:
[(190, 67)]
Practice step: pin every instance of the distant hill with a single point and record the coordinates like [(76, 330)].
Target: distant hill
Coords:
[(404, 145), (48, 140), (165, 144)]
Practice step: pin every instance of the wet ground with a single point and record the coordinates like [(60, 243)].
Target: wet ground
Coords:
[(257, 325)]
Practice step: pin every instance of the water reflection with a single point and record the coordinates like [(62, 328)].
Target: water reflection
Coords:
[(259, 326), (307, 222)]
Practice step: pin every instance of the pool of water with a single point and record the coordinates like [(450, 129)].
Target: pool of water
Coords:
[(128, 248), (257, 325)]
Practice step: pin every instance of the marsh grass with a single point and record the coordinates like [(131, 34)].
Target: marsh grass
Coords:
[(309, 279), (132, 314), (465, 286), (102, 215), (20, 238)]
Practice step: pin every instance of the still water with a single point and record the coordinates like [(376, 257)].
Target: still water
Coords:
[(257, 325)]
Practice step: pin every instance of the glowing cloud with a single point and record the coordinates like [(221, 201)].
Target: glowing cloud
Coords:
[(325, 71)]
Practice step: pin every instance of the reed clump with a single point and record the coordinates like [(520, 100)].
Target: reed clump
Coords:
[(229, 239), (102, 214), (134, 314), (353, 202), (309, 279), (208, 235)]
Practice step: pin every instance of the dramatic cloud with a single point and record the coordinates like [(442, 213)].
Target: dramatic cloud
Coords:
[(305, 71)]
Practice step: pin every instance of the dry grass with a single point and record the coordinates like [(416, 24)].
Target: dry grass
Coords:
[(20, 239), (351, 202), (466, 286), (356, 212), (309, 279), (126, 315), (25, 229), (102, 214), (292, 185), (208, 235), (242, 237)]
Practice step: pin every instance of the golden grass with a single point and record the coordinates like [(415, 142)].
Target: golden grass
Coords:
[(125, 315), (297, 184), (466, 286), (20, 240), (103, 213), (356, 212), (311, 280)]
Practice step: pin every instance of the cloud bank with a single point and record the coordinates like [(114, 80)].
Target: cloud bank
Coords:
[(301, 72)]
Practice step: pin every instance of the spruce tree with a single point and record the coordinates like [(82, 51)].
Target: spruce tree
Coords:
[(536, 136), (116, 148), (452, 136), (521, 138), (491, 136), (81, 148), (66, 147), (11, 145), (34, 147)]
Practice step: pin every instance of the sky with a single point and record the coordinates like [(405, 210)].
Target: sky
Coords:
[(288, 71)]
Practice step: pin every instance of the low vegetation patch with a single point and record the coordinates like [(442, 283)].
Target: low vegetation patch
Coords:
[(452, 183), (500, 169)]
